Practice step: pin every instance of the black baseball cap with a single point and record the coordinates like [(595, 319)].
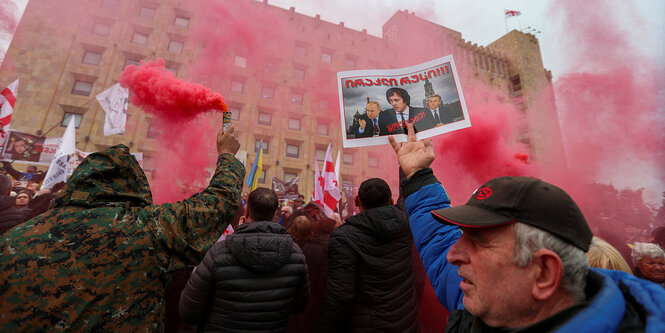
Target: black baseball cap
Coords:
[(506, 200)]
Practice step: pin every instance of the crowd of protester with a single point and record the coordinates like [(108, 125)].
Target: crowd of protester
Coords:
[(97, 255)]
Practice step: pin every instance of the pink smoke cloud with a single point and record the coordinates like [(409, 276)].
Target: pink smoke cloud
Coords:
[(159, 92)]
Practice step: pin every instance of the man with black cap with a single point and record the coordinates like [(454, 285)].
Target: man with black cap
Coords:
[(512, 258)]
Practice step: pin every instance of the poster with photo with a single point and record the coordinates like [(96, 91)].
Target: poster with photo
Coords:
[(28, 148), (378, 103)]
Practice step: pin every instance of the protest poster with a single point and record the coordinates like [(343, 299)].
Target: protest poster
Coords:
[(285, 190), (28, 148), (378, 103)]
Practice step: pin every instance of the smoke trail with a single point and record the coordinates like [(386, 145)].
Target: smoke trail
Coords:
[(159, 92)]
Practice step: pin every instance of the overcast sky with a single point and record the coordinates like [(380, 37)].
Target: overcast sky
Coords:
[(479, 21)]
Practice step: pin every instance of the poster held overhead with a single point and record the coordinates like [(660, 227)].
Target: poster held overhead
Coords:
[(378, 103)]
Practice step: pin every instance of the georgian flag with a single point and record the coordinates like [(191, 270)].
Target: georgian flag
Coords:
[(7, 102), (511, 13), (331, 193)]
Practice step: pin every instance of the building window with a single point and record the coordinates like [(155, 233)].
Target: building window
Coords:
[(110, 4), (77, 119), (139, 38), (131, 62), (82, 88), (294, 124), (268, 92), (288, 176), (301, 51), (235, 113), (350, 63), (176, 46), (292, 150), (296, 98), (515, 83), (266, 146), (326, 57), (153, 132), (320, 154), (262, 177), (240, 62), (101, 29), (265, 118), (322, 129), (348, 158), (173, 70), (298, 74), (147, 13), (237, 86), (91, 58), (181, 21), (372, 161)]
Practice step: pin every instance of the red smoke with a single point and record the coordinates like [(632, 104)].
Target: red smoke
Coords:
[(158, 91)]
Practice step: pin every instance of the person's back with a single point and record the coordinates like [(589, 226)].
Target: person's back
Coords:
[(370, 280), (99, 260), (250, 281)]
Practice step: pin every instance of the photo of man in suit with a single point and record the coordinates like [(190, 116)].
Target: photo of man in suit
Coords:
[(444, 114), (368, 122), (394, 120)]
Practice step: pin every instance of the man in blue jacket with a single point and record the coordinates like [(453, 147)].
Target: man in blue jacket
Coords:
[(513, 257)]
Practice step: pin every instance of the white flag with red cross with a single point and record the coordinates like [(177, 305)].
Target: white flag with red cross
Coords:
[(331, 193), (511, 13), (7, 102)]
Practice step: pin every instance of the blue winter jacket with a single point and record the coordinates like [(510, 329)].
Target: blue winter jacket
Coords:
[(606, 310)]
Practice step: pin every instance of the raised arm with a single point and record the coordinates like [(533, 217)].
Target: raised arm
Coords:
[(185, 230), (423, 193)]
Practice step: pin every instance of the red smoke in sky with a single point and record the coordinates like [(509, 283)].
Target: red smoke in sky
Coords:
[(158, 91), (610, 107)]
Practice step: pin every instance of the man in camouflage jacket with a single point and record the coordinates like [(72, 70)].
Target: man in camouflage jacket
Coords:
[(100, 259)]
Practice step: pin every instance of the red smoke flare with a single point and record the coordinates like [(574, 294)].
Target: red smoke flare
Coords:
[(159, 92)]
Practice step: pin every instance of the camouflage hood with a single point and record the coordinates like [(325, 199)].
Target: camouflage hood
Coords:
[(111, 177)]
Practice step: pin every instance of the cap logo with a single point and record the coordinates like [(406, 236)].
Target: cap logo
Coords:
[(483, 193)]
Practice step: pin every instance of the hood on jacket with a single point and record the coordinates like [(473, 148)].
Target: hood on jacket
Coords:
[(261, 247), (385, 222), (111, 177)]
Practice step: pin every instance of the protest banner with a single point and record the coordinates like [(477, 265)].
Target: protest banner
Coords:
[(285, 190), (28, 148), (378, 103)]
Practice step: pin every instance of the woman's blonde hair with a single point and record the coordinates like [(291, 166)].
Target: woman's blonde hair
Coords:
[(301, 228), (602, 254)]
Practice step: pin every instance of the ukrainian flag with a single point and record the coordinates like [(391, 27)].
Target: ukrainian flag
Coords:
[(253, 179)]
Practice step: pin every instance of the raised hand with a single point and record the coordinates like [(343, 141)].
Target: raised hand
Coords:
[(413, 155), (227, 142), (362, 123)]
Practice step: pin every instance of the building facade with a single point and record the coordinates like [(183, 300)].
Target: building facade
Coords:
[(279, 85)]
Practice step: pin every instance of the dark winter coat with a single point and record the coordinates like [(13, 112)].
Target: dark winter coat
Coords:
[(370, 277), (10, 216), (249, 282), (317, 270)]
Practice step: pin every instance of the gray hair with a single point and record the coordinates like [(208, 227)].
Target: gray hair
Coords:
[(641, 250), (530, 239), (5, 185)]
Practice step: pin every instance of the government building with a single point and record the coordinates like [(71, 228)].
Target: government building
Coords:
[(279, 81)]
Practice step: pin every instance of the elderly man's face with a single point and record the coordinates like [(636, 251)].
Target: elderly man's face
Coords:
[(495, 289), (653, 268), (434, 103), (372, 111)]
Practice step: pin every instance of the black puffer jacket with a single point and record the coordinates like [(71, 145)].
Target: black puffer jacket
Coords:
[(370, 278), (249, 282)]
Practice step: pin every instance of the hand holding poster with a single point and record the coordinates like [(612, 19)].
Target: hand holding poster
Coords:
[(378, 103)]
